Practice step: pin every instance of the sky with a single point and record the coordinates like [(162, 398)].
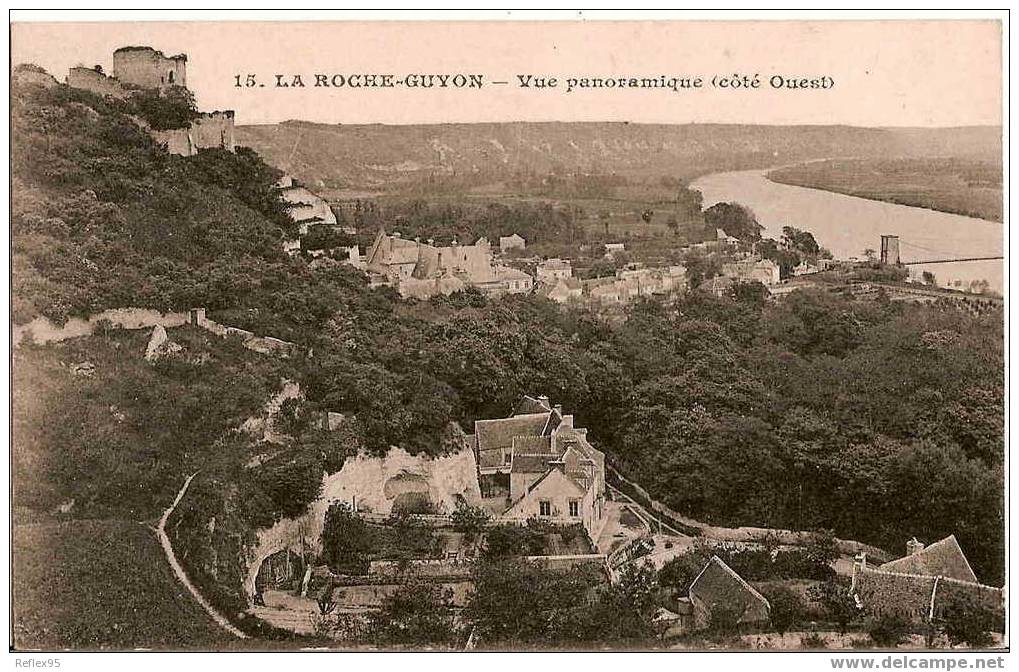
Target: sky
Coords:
[(885, 73)]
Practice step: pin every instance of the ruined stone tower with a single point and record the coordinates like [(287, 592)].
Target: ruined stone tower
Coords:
[(148, 68)]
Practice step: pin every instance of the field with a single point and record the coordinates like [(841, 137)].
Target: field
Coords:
[(101, 584), (959, 186)]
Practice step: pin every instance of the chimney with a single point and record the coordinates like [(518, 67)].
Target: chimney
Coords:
[(558, 409), (543, 400), (913, 546)]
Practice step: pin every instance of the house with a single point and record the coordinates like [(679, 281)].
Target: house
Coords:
[(764, 271), (550, 271), (650, 281), (719, 286), (569, 290), (919, 585), (423, 269), (724, 239), (719, 587), (942, 558), (612, 249), (554, 473), (511, 242)]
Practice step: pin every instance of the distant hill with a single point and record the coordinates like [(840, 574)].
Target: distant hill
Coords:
[(378, 156)]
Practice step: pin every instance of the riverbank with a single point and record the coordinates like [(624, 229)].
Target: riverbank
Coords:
[(952, 185), (849, 225)]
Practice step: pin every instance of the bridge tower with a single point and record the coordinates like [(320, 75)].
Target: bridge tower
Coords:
[(890, 250)]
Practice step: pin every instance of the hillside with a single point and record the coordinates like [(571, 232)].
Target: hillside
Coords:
[(368, 157)]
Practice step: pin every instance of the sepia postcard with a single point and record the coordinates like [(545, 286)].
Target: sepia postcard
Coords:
[(592, 333)]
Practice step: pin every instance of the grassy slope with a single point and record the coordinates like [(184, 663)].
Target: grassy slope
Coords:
[(950, 185), (96, 577), (101, 584)]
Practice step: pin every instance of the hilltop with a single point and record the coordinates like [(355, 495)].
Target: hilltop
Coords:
[(376, 156)]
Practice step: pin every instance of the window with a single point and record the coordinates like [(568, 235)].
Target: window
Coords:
[(544, 508), (574, 508)]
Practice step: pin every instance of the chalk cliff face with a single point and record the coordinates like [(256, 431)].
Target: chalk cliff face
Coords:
[(375, 485)]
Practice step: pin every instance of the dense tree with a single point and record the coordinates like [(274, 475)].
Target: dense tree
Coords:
[(735, 219)]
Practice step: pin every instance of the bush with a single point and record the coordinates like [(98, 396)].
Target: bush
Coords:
[(964, 621), (787, 608), (813, 641), (469, 520), (887, 630), (346, 540), (838, 604), (172, 108)]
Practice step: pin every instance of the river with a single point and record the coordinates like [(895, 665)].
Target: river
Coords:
[(847, 225)]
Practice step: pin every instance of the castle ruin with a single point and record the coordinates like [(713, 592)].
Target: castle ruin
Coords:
[(137, 68)]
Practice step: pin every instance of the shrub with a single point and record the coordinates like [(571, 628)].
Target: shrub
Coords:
[(787, 608), (813, 641), (964, 621), (346, 540), (834, 598), (469, 520), (887, 630)]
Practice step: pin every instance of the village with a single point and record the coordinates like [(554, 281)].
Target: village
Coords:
[(527, 485)]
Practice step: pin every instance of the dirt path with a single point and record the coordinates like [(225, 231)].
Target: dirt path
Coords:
[(182, 576), (651, 520)]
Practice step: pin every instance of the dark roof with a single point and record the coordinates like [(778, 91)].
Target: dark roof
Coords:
[(717, 584), (532, 445), (499, 433), (942, 558), (530, 464), (531, 405)]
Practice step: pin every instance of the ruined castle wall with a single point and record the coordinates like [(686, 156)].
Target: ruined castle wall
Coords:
[(213, 129), (41, 330), (96, 82), (148, 68), (177, 140)]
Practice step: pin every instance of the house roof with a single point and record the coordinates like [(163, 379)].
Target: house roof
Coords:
[(528, 404), (510, 273), (719, 584), (552, 475), (531, 464), (942, 558), (532, 445), (499, 433)]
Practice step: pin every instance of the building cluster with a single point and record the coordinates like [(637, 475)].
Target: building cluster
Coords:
[(422, 269), (553, 472), (556, 282), (144, 68)]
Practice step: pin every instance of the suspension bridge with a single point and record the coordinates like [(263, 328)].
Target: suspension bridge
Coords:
[(892, 245)]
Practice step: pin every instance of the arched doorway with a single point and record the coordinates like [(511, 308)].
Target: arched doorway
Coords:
[(283, 570)]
